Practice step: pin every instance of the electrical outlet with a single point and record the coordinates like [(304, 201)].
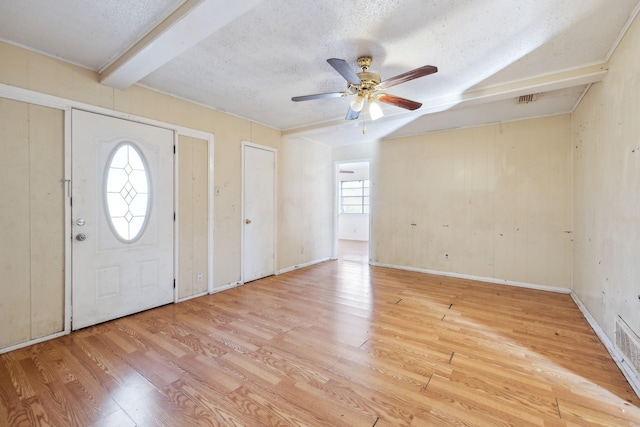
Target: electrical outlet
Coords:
[(199, 278)]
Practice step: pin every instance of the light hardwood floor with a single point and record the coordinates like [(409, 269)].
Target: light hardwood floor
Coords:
[(353, 250), (339, 343)]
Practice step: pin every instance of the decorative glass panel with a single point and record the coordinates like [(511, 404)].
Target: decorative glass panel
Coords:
[(127, 196)]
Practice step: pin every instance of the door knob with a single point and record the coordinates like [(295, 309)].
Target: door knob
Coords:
[(81, 237), (247, 221)]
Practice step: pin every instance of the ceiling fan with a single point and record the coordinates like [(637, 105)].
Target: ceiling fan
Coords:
[(368, 87)]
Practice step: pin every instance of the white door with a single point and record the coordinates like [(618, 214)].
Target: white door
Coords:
[(259, 168), (122, 214)]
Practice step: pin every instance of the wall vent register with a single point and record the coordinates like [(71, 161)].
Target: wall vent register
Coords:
[(628, 343), (127, 192)]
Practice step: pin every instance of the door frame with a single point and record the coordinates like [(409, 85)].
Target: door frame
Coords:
[(177, 132), (95, 139), (336, 203), (242, 206), (66, 105)]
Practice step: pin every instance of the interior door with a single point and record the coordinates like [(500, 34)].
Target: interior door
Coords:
[(122, 214), (259, 212)]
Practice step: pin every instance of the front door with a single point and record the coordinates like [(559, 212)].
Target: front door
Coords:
[(122, 213), (259, 212)]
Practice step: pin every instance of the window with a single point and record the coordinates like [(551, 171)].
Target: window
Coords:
[(354, 196), (127, 192)]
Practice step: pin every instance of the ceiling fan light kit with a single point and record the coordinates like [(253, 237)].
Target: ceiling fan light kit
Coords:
[(357, 103), (375, 111), (368, 87)]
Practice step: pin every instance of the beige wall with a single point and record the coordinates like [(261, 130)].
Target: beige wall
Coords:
[(491, 201), (362, 151), (495, 198), (31, 222), (193, 224), (606, 157), (304, 175), (305, 202), (30, 70)]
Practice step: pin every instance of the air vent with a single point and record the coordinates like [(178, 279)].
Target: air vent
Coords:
[(628, 343), (525, 99)]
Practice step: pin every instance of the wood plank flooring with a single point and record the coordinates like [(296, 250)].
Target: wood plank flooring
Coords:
[(339, 343), (353, 250)]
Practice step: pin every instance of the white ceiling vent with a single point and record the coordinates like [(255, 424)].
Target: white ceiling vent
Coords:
[(525, 99)]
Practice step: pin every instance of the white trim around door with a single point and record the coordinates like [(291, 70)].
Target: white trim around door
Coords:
[(66, 105)]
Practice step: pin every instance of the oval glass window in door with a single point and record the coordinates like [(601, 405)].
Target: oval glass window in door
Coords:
[(127, 192)]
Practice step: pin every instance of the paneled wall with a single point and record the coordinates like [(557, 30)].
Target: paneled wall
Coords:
[(491, 201), (193, 201), (33, 71), (606, 215), (306, 233), (305, 202), (31, 222)]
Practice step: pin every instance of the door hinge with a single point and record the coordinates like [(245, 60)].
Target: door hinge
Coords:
[(174, 149), (174, 283), (174, 217)]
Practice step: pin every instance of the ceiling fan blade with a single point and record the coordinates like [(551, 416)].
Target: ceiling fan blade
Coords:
[(319, 96), (352, 114), (399, 102), (341, 66), (405, 77)]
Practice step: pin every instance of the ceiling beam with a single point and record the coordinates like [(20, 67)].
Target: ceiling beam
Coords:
[(546, 83), (187, 26)]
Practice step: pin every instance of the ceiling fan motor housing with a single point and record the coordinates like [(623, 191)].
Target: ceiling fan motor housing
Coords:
[(368, 80)]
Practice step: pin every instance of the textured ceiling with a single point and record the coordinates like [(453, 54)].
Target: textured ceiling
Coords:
[(90, 33), (488, 52)]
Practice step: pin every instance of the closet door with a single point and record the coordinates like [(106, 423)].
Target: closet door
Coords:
[(259, 183)]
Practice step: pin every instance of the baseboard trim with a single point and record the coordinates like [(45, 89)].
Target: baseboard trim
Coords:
[(32, 342), (191, 297), (618, 358), (225, 287), (306, 264), (478, 278)]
